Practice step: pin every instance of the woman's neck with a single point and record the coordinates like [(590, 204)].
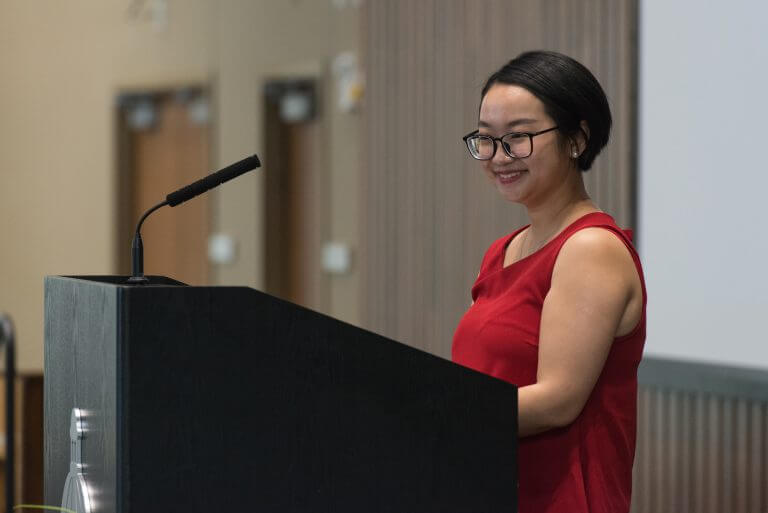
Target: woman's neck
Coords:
[(561, 208)]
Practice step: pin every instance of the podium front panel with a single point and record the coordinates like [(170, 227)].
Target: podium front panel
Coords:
[(225, 398)]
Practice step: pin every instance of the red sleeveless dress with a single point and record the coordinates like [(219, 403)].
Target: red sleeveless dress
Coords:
[(585, 467)]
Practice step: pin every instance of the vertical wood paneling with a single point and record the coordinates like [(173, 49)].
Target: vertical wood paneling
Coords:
[(741, 456), (713, 449), (429, 211), (727, 444), (699, 453), (642, 475), (687, 444), (758, 496), (701, 443), (673, 439), (658, 440)]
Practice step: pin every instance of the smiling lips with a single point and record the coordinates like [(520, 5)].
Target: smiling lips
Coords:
[(508, 176)]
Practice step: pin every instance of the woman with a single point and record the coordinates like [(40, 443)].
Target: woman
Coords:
[(559, 306)]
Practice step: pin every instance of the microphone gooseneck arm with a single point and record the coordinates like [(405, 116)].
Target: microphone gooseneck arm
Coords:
[(178, 197), (137, 249)]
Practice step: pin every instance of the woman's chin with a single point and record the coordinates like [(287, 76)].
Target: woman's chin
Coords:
[(511, 191)]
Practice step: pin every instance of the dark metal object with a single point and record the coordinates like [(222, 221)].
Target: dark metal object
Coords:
[(137, 250), (7, 338)]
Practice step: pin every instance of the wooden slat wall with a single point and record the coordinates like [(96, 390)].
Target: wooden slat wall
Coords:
[(429, 212), (700, 453)]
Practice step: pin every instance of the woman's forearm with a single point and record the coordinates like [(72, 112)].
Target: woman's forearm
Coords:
[(540, 410)]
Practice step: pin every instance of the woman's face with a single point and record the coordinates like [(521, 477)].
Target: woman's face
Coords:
[(530, 180)]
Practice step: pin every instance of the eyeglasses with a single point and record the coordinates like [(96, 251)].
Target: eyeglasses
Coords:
[(516, 145)]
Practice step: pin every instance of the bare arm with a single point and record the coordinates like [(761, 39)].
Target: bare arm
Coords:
[(593, 283)]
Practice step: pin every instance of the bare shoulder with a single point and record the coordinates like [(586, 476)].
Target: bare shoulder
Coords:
[(595, 245), (596, 257)]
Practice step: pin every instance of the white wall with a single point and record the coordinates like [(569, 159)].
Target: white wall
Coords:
[(703, 178)]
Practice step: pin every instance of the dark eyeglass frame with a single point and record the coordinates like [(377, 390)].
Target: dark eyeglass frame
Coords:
[(530, 135)]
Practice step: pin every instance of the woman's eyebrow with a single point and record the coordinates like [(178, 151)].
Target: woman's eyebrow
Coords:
[(511, 124)]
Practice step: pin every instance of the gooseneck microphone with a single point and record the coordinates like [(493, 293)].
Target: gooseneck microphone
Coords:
[(177, 198)]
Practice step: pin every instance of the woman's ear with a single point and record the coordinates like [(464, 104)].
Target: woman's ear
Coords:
[(579, 140)]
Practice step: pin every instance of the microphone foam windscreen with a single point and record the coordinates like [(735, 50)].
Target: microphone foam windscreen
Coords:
[(213, 180)]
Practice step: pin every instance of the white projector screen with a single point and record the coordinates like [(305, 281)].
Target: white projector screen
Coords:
[(703, 179)]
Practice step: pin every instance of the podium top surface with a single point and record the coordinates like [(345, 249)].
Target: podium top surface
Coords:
[(123, 280)]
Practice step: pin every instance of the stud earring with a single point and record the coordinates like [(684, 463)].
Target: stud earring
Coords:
[(575, 154)]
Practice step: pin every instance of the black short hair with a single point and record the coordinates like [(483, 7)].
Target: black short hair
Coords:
[(569, 91)]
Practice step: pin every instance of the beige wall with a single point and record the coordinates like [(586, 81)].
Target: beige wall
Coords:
[(61, 66)]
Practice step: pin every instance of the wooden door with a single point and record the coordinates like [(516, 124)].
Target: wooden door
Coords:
[(296, 199), (164, 145)]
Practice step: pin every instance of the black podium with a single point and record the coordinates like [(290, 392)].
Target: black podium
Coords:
[(167, 398)]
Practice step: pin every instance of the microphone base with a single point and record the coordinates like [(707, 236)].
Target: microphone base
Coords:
[(138, 280)]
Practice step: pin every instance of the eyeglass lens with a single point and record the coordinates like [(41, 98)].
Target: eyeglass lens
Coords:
[(514, 145)]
